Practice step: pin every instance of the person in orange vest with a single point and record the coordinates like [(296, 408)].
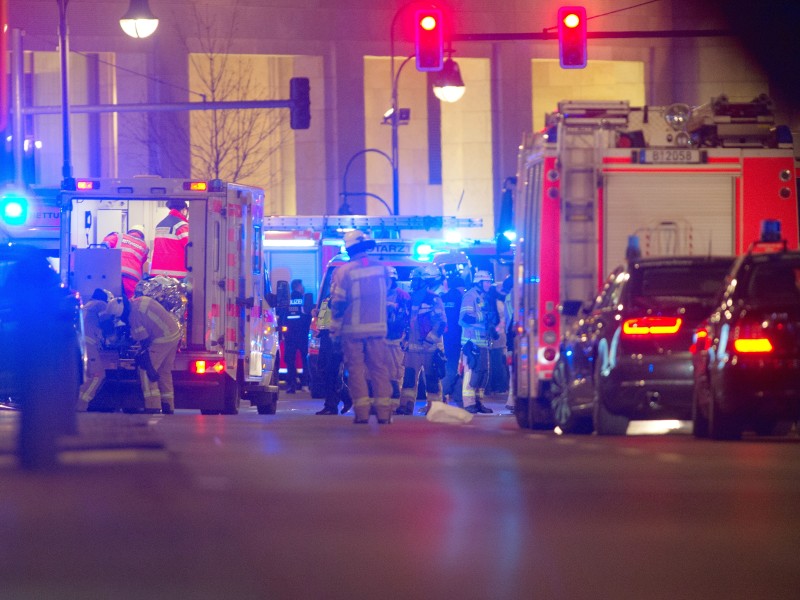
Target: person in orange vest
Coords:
[(134, 255), (169, 243)]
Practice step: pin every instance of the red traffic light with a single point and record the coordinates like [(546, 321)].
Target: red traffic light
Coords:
[(572, 37), (429, 39)]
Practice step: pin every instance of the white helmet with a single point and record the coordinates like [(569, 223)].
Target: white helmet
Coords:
[(136, 229), (431, 272), (454, 257), (481, 275), (115, 307), (356, 241)]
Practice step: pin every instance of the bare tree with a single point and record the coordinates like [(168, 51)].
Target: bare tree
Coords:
[(233, 145)]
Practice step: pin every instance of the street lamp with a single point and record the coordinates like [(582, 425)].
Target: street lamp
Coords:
[(451, 88), (448, 86), (139, 21)]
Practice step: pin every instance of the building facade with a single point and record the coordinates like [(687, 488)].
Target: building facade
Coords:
[(452, 158)]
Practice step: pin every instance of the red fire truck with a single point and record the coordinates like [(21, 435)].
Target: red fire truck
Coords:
[(229, 349), (605, 176)]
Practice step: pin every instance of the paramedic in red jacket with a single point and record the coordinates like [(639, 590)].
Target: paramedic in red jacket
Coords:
[(134, 255), (169, 243)]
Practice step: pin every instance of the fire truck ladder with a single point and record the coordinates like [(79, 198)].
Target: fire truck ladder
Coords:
[(583, 134), (323, 222)]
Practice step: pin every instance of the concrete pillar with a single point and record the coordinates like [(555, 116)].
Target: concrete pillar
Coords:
[(344, 123), (512, 105)]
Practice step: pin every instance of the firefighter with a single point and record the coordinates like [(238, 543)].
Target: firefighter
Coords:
[(425, 346), (477, 330), (159, 333), (169, 243), (358, 318), (96, 321), (498, 340), (134, 255), (508, 306), (297, 323), (330, 365), (456, 269), (398, 307)]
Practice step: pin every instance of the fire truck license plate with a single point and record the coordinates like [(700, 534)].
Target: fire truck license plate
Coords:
[(670, 155)]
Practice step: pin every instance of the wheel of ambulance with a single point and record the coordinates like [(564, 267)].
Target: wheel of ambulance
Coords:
[(605, 422), (231, 399), (563, 416), (267, 402), (700, 403)]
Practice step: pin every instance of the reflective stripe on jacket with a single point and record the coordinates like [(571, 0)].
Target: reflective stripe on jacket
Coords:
[(358, 298), (134, 253), (169, 246), (472, 305), (151, 321)]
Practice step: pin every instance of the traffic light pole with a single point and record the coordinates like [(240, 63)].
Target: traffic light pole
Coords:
[(553, 35), (395, 144), (63, 42)]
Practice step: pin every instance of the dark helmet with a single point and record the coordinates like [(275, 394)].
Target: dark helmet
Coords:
[(176, 204)]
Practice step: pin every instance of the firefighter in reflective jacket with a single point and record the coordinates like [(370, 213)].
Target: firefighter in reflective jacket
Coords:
[(134, 255), (358, 317), (169, 243), (425, 346), (477, 331), (95, 321), (398, 307), (159, 333)]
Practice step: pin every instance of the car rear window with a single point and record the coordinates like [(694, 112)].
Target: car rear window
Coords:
[(775, 281), (702, 281)]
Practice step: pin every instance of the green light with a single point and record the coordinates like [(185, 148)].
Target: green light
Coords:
[(13, 209)]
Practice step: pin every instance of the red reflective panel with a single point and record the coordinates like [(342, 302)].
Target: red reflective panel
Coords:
[(652, 326)]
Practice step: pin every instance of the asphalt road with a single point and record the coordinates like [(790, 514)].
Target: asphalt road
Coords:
[(303, 506)]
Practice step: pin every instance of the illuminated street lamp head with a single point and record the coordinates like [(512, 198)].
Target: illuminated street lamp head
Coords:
[(139, 21), (448, 85)]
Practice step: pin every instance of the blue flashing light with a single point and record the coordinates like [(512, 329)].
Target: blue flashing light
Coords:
[(510, 235), (13, 208)]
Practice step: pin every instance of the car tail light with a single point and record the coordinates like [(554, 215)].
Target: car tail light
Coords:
[(207, 366), (750, 338), (652, 326), (700, 341)]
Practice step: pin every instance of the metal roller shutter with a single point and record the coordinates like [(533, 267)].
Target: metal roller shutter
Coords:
[(671, 214)]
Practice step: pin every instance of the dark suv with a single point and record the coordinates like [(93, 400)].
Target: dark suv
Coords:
[(41, 350), (628, 355), (747, 354)]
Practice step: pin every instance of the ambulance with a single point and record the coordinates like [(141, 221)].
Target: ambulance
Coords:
[(229, 349)]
